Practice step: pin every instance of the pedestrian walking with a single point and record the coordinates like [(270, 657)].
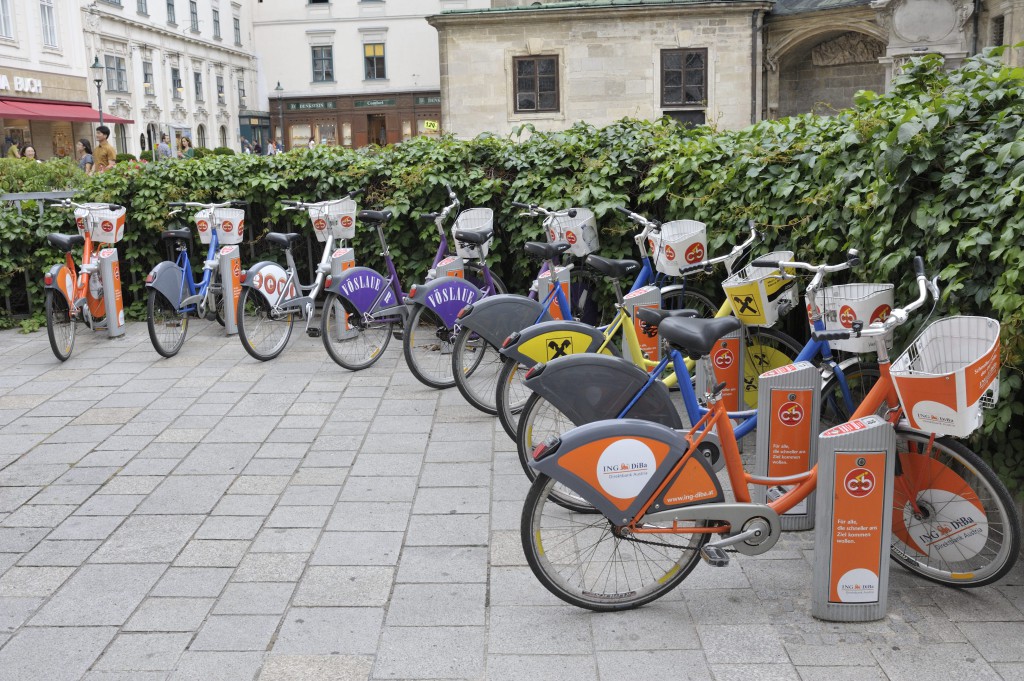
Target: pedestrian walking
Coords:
[(104, 156), (83, 149)]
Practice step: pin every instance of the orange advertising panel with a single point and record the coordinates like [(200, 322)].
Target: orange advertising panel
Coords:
[(118, 301), (789, 443), (725, 358), (858, 504), (617, 467), (980, 374), (562, 276), (692, 485)]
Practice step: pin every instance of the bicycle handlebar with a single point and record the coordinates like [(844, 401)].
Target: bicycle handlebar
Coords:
[(197, 204), (68, 203), (301, 205), (852, 260), (537, 209)]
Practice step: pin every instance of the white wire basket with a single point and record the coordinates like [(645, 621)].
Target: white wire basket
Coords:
[(102, 224), (580, 231), (678, 245), (756, 294), (229, 223), (480, 220), (844, 304), (334, 217), (949, 374)]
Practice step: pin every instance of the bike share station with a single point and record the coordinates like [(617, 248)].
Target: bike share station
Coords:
[(107, 228), (230, 226)]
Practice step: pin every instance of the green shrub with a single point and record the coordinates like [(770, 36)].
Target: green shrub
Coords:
[(224, 151), (120, 158), (202, 152), (146, 156)]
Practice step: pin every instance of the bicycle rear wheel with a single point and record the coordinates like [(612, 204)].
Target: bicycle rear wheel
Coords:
[(953, 520), (263, 331), (510, 396), (60, 325), (476, 366), (167, 325), (352, 342), (427, 344), (587, 562), (765, 349), (685, 299)]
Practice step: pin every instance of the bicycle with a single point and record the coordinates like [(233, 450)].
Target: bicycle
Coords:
[(622, 550), (91, 292), (173, 294), (272, 295), (762, 348)]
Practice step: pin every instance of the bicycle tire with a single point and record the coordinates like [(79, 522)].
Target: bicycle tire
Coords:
[(685, 299), (475, 276), (353, 342), (971, 555), (427, 345), (60, 325), (860, 378), (167, 325), (766, 349), (264, 333), (476, 366), (510, 396), (583, 562)]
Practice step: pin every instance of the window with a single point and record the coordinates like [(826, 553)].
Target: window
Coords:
[(6, 24), (684, 77), (998, 31), (223, 136), (142, 7), (201, 135), (147, 77), (536, 84), (373, 60), (193, 13), (49, 22), (216, 24), (323, 64), (170, 12), (179, 90), (220, 90), (237, 23), (241, 92), (117, 74), (198, 78), (121, 138)]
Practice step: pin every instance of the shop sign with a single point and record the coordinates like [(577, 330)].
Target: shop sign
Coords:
[(32, 85), (431, 126), (423, 101), (361, 103), (311, 106)]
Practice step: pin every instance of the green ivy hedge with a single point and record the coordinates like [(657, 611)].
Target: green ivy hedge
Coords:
[(934, 167)]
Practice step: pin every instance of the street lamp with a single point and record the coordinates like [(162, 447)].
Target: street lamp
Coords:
[(280, 113), (97, 77)]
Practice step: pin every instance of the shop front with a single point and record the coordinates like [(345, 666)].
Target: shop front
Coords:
[(255, 127), (356, 121), (48, 111)]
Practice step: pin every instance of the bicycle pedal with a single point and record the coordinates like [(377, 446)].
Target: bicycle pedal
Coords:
[(714, 556), (313, 333)]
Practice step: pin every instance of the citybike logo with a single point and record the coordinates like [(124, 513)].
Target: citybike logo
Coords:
[(570, 237), (859, 483), (847, 316), (670, 252), (723, 358), (203, 225), (320, 224), (346, 221), (236, 268), (80, 222), (107, 226), (551, 235), (881, 313), (791, 414), (695, 253), (463, 294)]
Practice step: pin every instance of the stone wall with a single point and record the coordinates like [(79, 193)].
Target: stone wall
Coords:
[(609, 64), (805, 87)]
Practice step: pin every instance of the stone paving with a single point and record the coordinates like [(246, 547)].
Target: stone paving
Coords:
[(213, 517)]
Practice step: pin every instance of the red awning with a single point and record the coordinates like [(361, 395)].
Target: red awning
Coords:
[(46, 111)]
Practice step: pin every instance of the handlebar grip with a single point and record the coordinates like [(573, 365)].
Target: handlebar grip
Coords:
[(918, 266), (830, 335), (765, 262), (625, 211), (244, 204), (853, 257), (356, 192), (572, 212), (519, 204), (428, 217), (176, 204), (289, 203), (113, 206)]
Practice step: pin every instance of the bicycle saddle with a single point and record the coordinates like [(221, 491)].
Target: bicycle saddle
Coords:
[(546, 251), (616, 269), (183, 234), (65, 242), (653, 316), (282, 239), (374, 215), (473, 236), (694, 336)]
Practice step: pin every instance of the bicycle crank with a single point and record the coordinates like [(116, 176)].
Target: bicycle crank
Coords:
[(754, 527)]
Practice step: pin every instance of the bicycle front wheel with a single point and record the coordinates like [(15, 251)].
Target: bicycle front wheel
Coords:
[(352, 342), (685, 299), (264, 332), (60, 325), (476, 366), (766, 349), (427, 343), (953, 520), (838, 405), (585, 561), (510, 396), (167, 325)]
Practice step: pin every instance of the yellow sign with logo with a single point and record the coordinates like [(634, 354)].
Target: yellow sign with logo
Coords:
[(556, 344), (431, 126)]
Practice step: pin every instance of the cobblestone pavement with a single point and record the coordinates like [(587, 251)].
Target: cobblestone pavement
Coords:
[(213, 517)]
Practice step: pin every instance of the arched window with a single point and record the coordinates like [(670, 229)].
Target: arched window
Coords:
[(223, 135), (122, 138), (201, 134)]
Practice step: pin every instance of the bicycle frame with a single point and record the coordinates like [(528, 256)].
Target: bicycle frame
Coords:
[(197, 292)]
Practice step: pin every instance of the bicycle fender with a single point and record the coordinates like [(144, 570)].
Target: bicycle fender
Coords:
[(554, 339), (446, 296), (495, 317), (617, 466), (588, 387), (269, 279), (360, 285), (62, 280), (168, 278)]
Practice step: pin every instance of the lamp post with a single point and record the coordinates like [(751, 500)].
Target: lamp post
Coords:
[(280, 113), (97, 77)]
